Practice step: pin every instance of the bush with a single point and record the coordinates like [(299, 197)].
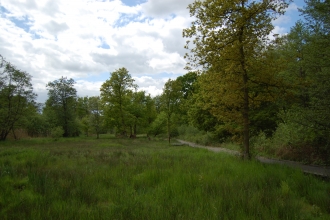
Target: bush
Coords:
[(293, 140), (174, 132), (158, 126), (192, 134), (187, 130), (262, 145), (57, 132)]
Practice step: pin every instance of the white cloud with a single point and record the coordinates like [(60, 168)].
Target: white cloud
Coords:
[(292, 7), (283, 23), (167, 62), (156, 8), (82, 39), (86, 88), (150, 85), (282, 20)]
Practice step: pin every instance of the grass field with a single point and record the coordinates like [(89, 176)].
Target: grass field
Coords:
[(86, 178)]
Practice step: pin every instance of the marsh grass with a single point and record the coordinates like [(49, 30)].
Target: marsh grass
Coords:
[(110, 178)]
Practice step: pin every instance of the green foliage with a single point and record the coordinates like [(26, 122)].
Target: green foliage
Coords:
[(188, 88), (187, 82), (303, 129), (85, 125), (292, 140), (96, 114), (61, 104), (36, 125), (276, 92), (16, 97), (188, 130), (57, 133), (116, 94), (90, 115), (170, 102), (317, 16), (158, 126), (135, 110), (82, 107), (192, 134), (229, 43), (143, 112), (264, 118), (200, 112), (87, 178)]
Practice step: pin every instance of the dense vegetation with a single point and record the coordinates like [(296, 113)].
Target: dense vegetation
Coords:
[(242, 87), (116, 178)]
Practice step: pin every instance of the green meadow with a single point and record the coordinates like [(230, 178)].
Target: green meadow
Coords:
[(109, 178)]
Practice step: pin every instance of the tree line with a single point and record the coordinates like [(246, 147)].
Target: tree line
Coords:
[(258, 90), (240, 85)]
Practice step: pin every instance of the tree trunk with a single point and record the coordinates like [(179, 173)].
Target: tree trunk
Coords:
[(3, 135), (246, 132), (134, 129), (15, 137), (245, 113)]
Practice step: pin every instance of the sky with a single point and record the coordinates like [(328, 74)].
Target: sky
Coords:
[(88, 39)]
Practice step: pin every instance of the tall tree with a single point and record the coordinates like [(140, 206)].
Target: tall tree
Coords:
[(16, 96), (199, 111), (188, 87), (96, 115), (170, 100), (317, 60), (228, 37), (83, 114), (61, 105), (142, 110), (151, 112), (316, 65), (82, 109), (116, 96)]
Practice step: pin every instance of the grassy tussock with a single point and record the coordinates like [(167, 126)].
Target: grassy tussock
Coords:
[(138, 179)]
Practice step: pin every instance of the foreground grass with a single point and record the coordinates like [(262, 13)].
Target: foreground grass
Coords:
[(137, 179)]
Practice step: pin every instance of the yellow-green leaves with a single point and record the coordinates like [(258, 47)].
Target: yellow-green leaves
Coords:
[(116, 97), (228, 38)]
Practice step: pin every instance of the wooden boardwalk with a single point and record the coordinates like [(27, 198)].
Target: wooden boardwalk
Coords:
[(322, 171)]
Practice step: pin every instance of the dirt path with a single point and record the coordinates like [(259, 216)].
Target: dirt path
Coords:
[(322, 171)]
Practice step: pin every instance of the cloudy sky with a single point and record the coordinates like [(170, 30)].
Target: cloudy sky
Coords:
[(87, 39)]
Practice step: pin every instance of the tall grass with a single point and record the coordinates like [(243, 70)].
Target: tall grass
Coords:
[(139, 179)]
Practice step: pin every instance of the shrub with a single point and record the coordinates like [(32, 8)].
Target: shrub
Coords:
[(192, 134), (158, 126), (293, 140), (57, 132)]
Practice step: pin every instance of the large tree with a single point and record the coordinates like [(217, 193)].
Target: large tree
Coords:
[(16, 96), (115, 96), (188, 88), (170, 101), (96, 114), (317, 62), (61, 105), (228, 37), (142, 111), (310, 41)]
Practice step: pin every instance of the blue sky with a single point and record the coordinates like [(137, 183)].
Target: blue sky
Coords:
[(87, 39), (291, 16), (133, 2)]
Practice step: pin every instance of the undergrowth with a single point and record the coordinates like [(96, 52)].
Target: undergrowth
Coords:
[(110, 178)]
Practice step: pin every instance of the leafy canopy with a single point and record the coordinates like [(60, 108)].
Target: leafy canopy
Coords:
[(228, 40)]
